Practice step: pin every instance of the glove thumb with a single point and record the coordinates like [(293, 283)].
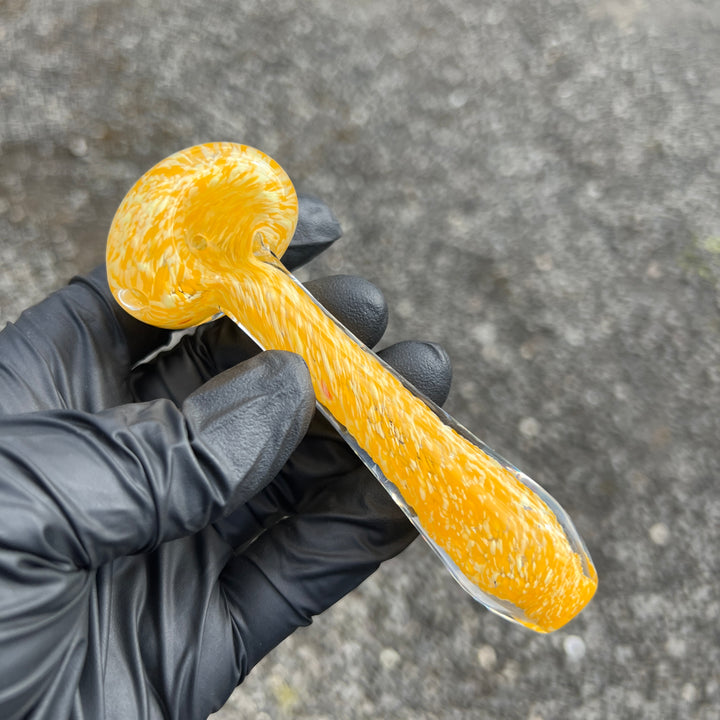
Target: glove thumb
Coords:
[(86, 488)]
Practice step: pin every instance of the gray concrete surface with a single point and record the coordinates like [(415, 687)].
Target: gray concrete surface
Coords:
[(533, 184)]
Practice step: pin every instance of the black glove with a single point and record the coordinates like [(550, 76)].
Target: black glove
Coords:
[(165, 522)]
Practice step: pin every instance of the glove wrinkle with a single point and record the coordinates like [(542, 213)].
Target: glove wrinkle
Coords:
[(254, 601), (44, 614), (26, 382), (179, 641)]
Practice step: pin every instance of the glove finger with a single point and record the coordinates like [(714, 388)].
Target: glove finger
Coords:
[(323, 458), (217, 346), (425, 365), (317, 229), (84, 489)]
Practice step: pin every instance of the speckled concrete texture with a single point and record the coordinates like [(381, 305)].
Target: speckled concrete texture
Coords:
[(533, 184)]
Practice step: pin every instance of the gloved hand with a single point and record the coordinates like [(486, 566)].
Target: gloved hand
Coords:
[(165, 522)]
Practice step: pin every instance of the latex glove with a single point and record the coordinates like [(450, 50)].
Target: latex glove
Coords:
[(163, 525)]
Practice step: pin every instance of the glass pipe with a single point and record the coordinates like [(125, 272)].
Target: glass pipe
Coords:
[(202, 233)]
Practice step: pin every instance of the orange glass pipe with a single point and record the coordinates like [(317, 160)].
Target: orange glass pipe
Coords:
[(201, 233)]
